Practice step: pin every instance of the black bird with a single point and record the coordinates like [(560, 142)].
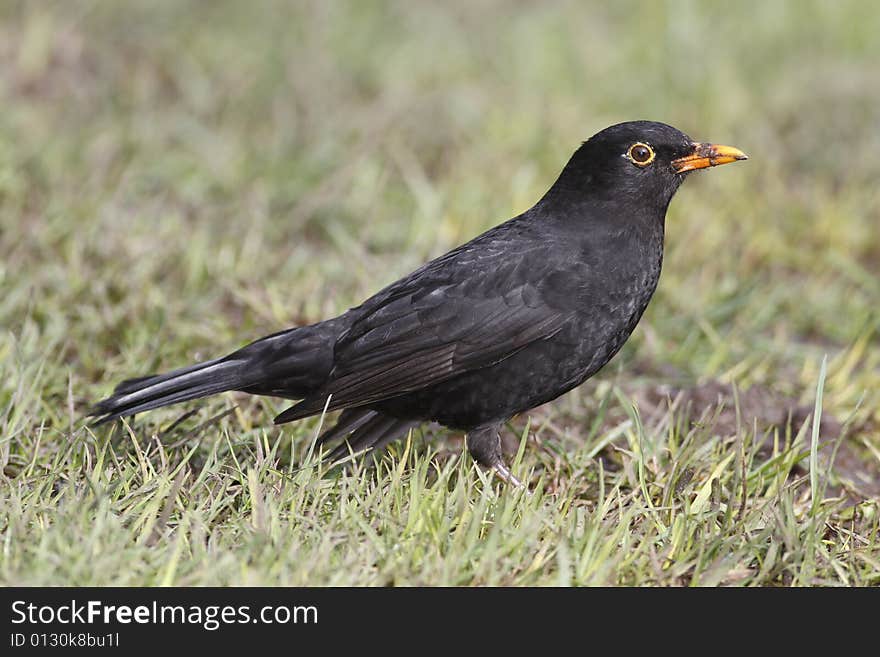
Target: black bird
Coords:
[(510, 320)]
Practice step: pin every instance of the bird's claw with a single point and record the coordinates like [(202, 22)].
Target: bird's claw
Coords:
[(508, 477)]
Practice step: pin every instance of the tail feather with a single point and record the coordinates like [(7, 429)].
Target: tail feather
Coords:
[(146, 393), (133, 385), (290, 364)]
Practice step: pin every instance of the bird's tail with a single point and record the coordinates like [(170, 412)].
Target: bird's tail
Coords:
[(149, 392), (287, 364)]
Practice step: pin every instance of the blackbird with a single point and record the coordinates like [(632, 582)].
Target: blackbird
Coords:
[(510, 320)]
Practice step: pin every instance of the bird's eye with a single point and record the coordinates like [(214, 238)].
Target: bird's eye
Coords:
[(641, 154)]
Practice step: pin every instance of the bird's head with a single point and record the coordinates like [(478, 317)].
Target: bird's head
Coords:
[(638, 163)]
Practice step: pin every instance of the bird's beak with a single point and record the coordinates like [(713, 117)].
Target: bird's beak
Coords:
[(708, 155)]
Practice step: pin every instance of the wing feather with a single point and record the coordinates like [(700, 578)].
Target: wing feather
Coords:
[(439, 323)]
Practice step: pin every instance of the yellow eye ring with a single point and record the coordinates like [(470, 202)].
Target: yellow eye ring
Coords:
[(640, 154)]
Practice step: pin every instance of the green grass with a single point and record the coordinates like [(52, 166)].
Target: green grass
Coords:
[(177, 179)]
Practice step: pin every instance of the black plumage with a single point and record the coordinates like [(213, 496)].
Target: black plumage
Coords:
[(510, 320)]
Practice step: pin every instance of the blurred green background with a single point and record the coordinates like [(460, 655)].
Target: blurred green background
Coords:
[(178, 178)]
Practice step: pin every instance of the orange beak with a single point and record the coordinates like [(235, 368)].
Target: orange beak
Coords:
[(708, 155)]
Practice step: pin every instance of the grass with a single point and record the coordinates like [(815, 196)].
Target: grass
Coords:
[(177, 179)]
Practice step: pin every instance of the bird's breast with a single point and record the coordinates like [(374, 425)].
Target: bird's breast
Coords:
[(618, 287)]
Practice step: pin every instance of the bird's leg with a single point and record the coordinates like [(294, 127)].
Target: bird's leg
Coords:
[(484, 444), (507, 476)]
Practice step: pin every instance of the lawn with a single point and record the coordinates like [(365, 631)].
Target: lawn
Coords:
[(178, 179)]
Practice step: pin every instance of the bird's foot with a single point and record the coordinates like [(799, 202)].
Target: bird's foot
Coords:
[(484, 444), (508, 477)]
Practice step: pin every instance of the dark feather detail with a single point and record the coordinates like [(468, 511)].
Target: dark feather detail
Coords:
[(146, 393), (382, 356), (377, 432), (349, 420)]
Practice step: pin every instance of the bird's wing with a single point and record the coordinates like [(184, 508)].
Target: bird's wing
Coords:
[(429, 328)]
